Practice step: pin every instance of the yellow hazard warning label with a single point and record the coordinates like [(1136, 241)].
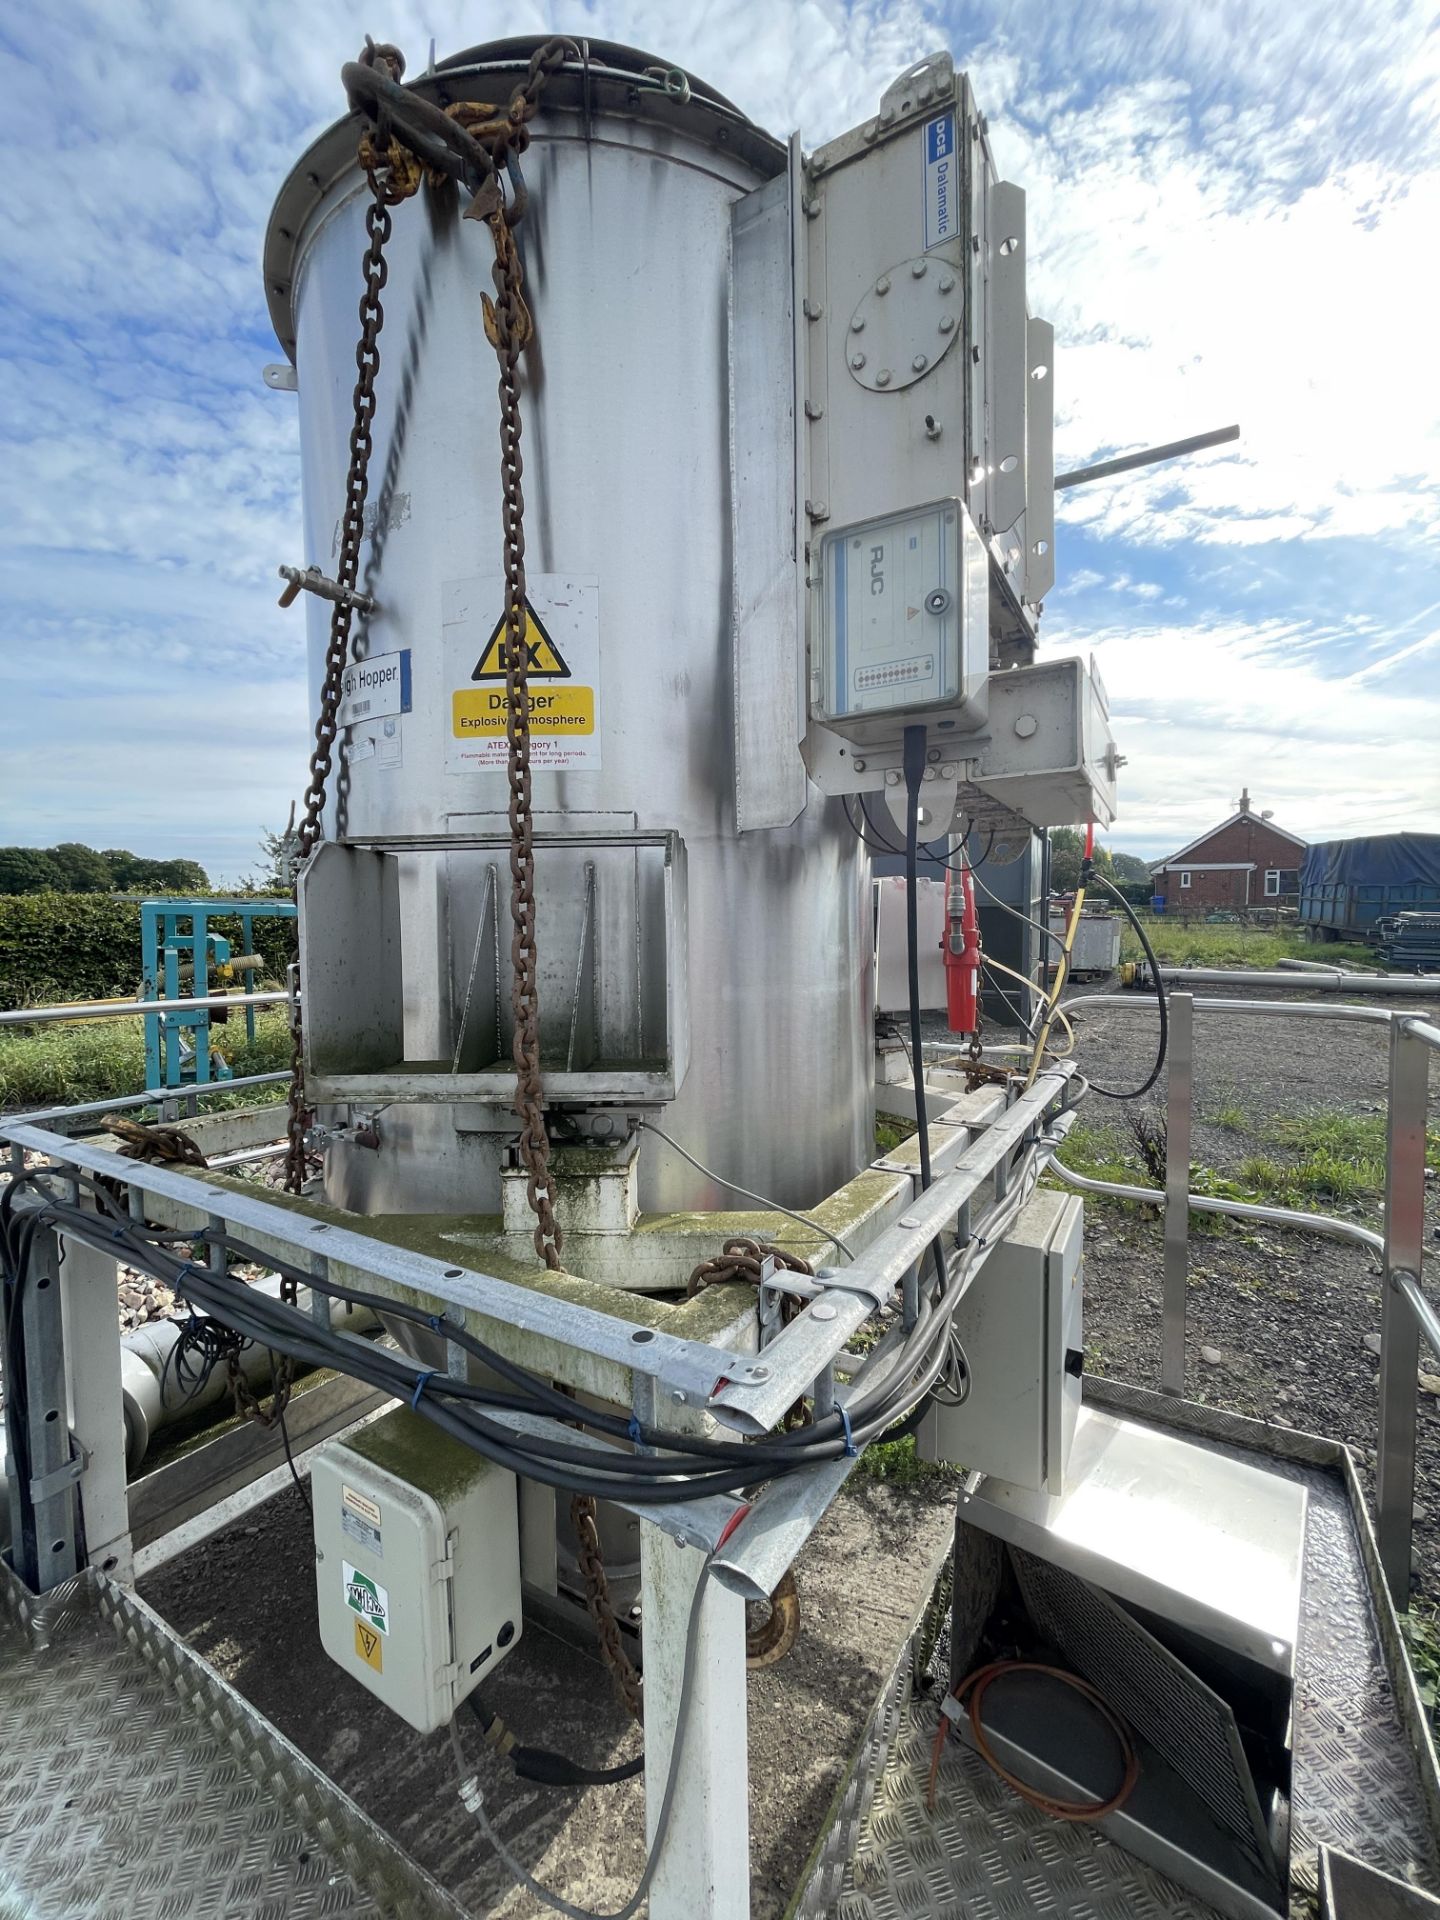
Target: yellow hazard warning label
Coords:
[(370, 1646), (562, 670), (544, 658), (477, 712)]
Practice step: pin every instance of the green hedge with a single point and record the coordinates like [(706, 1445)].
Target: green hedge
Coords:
[(86, 946)]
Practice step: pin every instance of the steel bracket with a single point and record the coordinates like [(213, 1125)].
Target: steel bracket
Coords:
[(46, 1485), (826, 1280), (312, 580)]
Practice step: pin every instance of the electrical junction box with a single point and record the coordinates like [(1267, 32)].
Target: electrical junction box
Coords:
[(1021, 1327), (903, 626), (885, 373), (417, 1564)]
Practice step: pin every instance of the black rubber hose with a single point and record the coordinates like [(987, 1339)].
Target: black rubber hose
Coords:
[(1091, 878), (548, 1769)]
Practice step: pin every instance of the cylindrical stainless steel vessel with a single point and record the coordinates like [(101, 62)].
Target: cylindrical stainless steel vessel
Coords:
[(625, 401)]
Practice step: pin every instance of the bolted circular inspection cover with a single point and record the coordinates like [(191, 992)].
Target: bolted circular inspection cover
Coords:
[(905, 324)]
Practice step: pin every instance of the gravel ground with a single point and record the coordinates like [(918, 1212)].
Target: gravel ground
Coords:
[(1282, 1326)]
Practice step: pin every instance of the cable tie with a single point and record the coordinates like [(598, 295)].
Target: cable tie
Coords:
[(634, 1431), (435, 1323), (851, 1450), (428, 1374)]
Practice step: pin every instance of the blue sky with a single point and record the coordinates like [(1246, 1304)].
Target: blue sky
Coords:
[(1232, 216)]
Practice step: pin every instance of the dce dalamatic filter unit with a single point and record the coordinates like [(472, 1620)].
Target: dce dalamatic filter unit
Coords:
[(695, 432)]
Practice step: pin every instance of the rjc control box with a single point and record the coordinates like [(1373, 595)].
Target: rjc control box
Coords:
[(417, 1564)]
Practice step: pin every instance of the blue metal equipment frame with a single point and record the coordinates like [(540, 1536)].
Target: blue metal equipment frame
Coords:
[(173, 932)]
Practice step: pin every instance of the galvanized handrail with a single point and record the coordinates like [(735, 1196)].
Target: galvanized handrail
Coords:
[(130, 1009), (1406, 1313)]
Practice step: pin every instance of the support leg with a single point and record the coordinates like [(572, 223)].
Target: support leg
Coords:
[(88, 1285), (1178, 1111), (1399, 1333), (705, 1866)]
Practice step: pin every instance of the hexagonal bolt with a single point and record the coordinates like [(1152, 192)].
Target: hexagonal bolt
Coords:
[(920, 362), (857, 361), (947, 283), (882, 285), (813, 412), (919, 269), (857, 325), (947, 323), (882, 379)]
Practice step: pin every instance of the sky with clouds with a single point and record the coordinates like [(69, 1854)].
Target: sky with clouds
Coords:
[(1232, 216)]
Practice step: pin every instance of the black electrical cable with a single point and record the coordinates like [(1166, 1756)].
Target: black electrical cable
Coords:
[(545, 1767), (886, 1405), (300, 1486), (914, 762), (1091, 878)]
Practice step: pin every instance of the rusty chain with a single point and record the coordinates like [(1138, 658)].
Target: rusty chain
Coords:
[(282, 1379), (508, 326), (394, 171), (628, 1683), (387, 189)]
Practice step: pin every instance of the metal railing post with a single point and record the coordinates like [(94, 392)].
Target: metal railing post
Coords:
[(1399, 1330), (1179, 1101)]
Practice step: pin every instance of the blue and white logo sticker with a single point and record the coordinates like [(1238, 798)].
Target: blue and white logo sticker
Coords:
[(942, 181)]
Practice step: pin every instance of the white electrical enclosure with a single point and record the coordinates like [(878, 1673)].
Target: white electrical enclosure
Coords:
[(1020, 1326), (904, 627), (417, 1564)]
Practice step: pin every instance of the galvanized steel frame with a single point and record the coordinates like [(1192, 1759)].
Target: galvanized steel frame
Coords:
[(1406, 1313)]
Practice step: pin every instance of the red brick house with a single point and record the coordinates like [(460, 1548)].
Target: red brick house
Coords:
[(1247, 861)]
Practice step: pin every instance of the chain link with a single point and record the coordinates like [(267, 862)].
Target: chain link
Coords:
[(628, 1683), (282, 1379), (508, 326), (386, 190)]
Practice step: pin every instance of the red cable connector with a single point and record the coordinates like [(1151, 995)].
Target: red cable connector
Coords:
[(962, 951)]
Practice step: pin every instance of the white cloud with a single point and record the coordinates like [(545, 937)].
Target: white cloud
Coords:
[(1202, 712), (1232, 211)]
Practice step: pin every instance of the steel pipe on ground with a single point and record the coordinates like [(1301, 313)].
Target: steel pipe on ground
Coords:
[(1289, 1009), (1323, 1223), (1329, 981)]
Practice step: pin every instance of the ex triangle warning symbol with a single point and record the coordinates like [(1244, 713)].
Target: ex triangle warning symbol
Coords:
[(546, 660)]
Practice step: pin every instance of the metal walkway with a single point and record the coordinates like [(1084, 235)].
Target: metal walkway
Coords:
[(135, 1784), (985, 1854)]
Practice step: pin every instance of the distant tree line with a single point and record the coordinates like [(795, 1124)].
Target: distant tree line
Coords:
[(1067, 849), (73, 868)]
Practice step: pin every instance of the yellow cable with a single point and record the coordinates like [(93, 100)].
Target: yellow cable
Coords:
[(1054, 1000), (999, 966)]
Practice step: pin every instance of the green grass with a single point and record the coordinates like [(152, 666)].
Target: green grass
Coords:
[(1421, 1629), (63, 1064), (898, 1464), (1310, 1161), (1235, 946), (891, 1133)]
